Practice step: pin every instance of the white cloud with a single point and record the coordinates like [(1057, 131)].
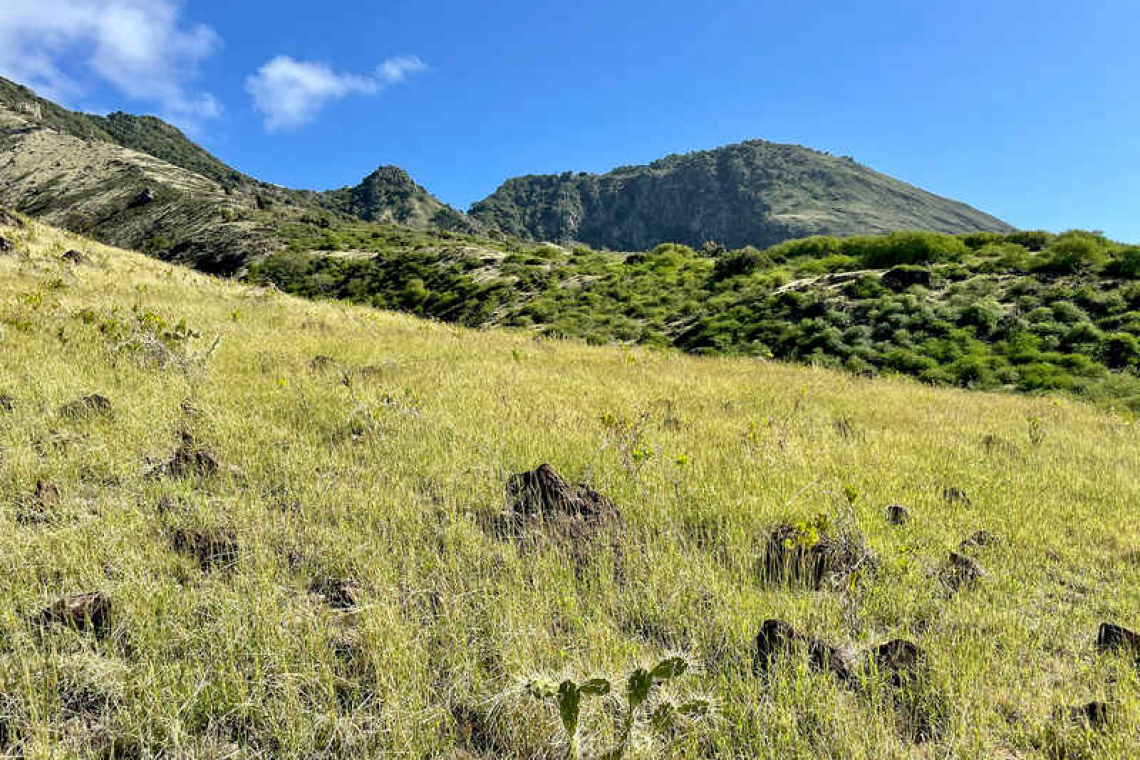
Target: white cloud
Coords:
[(395, 70), (290, 93), (138, 46)]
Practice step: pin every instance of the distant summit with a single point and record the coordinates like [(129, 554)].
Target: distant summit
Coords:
[(390, 195), (752, 193)]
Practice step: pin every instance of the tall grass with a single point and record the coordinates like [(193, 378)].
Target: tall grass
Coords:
[(382, 466)]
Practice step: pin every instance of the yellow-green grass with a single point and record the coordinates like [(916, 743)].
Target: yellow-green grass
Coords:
[(392, 478)]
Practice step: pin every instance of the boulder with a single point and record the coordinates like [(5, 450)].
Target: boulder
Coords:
[(777, 638), (88, 406), (46, 494), (212, 550), (90, 612), (901, 659), (145, 197), (1094, 715), (962, 571), (789, 558), (338, 593), (954, 495), (979, 539), (543, 492), (189, 460), (1114, 638), (897, 514)]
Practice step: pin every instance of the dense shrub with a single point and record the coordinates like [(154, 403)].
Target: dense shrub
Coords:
[(1038, 332), (743, 261), (1121, 350)]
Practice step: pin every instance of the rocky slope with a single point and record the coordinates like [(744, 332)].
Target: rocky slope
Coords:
[(753, 193), (138, 182), (390, 195)]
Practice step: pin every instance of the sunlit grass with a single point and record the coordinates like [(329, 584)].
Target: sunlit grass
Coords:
[(383, 465)]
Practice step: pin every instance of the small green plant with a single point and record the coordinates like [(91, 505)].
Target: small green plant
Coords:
[(628, 436), (664, 720), (1037, 430), (809, 532)]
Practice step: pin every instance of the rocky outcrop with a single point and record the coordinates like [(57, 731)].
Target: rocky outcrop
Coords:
[(753, 193)]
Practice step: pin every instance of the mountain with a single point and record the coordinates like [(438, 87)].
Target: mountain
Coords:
[(753, 193), (138, 182), (390, 195)]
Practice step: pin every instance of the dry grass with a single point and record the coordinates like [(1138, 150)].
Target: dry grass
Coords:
[(381, 466)]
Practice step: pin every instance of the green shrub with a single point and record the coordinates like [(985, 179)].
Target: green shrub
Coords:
[(1075, 251), (1032, 240), (1121, 350), (743, 261), (1126, 263)]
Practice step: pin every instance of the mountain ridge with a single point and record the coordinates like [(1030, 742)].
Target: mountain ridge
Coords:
[(750, 193)]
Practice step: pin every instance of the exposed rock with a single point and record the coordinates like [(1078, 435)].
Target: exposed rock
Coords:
[(962, 571), (979, 539), (902, 659), (6, 246), (189, 460), (83, 612), (212, 550), (46, 494), (543, 493), (9, 219), (322, 363), (144, 198), (74, 257), (753, 193), (901, 278), (88, 406), (338, 593), (7, 403), (953, 495), (897, 514), (789, 558), (1112, 638), (1095, 715), (777, 638)]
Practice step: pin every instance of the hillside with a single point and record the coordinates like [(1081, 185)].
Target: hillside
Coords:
[(1027, 311), (138, 182), (295, 525), (753, 193), (389, 195)]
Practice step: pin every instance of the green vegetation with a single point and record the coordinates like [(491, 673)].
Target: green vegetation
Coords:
[(1027, 310), (641, 684), (289, 527)]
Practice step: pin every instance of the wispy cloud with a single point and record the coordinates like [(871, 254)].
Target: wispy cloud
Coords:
[(138, 46), (290, 93), (396, 70)]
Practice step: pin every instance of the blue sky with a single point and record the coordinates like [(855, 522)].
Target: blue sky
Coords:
[(1027, 110)]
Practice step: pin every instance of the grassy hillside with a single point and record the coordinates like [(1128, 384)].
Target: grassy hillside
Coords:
[(324, 565), (1026, 311)]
